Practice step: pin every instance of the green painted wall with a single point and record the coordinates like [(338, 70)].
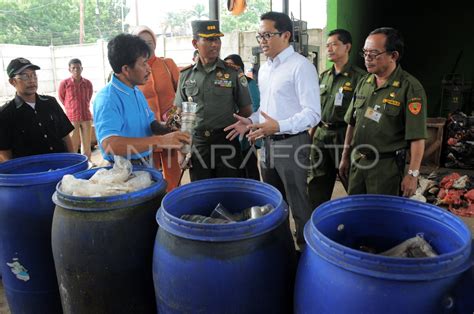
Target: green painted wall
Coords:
[(352, 16), (436, 35)]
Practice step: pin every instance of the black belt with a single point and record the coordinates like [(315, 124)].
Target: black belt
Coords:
[(371, 155), (333, 125), (207, 133), (279, 137)]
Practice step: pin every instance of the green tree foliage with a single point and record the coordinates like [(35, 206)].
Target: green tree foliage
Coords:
[(247, 21), (56, 22), (198, 12), (177, 23)]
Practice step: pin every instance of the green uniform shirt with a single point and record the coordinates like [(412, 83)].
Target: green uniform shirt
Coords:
[(389, 116), (344, 84), (219, 92)]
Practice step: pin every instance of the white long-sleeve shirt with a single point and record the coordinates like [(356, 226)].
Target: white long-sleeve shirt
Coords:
[(289, 92)]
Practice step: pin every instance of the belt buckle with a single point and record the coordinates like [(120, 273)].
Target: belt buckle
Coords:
[(207, 133)]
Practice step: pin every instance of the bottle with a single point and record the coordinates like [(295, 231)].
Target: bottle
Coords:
[(188, 120)]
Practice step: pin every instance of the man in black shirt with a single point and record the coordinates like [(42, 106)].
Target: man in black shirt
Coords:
[(31, 124)]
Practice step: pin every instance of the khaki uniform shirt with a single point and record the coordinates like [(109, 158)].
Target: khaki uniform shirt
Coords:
[(332, 129), (340, 85), (219, 92), (389, 116)]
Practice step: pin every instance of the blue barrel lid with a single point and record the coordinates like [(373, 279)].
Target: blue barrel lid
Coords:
[(221, 232), (413, 269), (40, 169), (103, 203)]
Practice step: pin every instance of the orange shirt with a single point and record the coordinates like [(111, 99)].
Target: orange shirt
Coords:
[(160, 88)]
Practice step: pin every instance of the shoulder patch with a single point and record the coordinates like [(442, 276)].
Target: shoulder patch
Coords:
[(414, 107), (243, 80), (187, 67)]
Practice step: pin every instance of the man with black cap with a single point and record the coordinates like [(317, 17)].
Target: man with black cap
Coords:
[(31, 124), (220, 90)]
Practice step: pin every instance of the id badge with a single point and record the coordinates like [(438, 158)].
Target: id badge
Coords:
[(339, 97), (372, 114)]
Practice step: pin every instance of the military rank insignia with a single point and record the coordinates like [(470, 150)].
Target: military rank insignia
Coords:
[(223, 83), (391, 102)]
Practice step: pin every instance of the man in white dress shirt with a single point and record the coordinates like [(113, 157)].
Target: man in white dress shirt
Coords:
[(289, 107)]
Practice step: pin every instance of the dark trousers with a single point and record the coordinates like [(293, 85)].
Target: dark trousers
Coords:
[(285, 166), (324, 159), (250, 161), (215, 156)]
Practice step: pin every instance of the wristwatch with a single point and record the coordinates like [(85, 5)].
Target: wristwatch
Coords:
[(414, 173)]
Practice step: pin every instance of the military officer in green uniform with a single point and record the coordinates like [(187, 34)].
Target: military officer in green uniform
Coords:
[(386, 116), (336, 87), (220, 90)]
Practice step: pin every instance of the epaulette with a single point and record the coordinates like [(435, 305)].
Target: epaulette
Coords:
[(45, 97), (233, 66), (187, 67), (326, 71)]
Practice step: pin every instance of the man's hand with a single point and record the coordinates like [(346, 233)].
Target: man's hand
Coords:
[(159, 128), (409, 185), (238, 128), (174, 140), (344, 167), (259, 130)]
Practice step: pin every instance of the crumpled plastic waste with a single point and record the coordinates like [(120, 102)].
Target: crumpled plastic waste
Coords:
[(222, 215), (119, 173), (418, 197), (415, 247), (205, 219), (107, 182)]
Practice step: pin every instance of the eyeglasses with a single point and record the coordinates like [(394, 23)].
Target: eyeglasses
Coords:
[(371, 55), (26, 77), (266, 36), (333, 45)]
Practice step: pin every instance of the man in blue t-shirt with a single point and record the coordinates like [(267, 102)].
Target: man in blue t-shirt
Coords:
[(124, 123)]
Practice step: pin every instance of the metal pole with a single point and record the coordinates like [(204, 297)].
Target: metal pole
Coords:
[(137, 22), (214, 9), (286, 6), (122, 15)]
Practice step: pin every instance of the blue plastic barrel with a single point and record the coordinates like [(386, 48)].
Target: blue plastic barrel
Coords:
[(335, 277), (103, 248), (242, 267), (26, 214)]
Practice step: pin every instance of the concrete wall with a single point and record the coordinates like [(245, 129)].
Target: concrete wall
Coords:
[(54, 60)]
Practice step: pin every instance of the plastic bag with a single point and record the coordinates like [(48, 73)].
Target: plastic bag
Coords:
[(118, 180), (139, 180), (204, 219), (119, 173), (221, 212), (253, 212), (415, 247)]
